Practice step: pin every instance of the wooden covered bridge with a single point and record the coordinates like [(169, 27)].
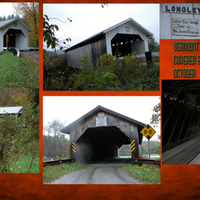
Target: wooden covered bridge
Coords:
[(180, 121), (121, 39), (100, 133)]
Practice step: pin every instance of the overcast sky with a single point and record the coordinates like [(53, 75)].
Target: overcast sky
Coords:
[(6, 9), (89, 19), (68, 109)]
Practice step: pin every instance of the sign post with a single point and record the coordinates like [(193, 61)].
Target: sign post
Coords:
[(148, 132)]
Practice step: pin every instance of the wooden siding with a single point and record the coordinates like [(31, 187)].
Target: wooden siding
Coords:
[(93, 51), (127, 128)]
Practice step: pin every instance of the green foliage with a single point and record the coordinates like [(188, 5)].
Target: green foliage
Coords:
[(154, 148), (153, 45), (55, 145), (56, 73), (125, 150), (149, 174), (53, 172), (123, 74), (22, 164), (155, 119), (19, 138), (49, 34), (18, 72)]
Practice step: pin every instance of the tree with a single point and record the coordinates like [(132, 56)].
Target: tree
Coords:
[(49, 34), (30, 13), (19, 137), (155, 119), (55, 145), (18, 96), (153, 45)]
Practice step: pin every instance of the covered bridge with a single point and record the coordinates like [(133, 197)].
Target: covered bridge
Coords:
[(13, 110), (121, 39), (17, 33), (100, 133), (180, 120)]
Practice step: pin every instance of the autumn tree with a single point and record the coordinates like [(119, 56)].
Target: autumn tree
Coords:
[(18, 96), (30, 13)]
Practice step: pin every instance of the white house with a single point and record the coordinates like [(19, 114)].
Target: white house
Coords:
[(123, 38), (16, 31), (180, 21)]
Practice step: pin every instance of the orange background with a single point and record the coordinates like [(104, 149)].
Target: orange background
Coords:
[(177, 181)]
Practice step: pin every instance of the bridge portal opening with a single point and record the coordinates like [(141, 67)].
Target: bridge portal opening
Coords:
[(124, 44), (125, 151), (14, 37), (100, 143)]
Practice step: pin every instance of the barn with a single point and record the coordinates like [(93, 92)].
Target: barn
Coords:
[(121, 39), (16, 32), (100, 133)]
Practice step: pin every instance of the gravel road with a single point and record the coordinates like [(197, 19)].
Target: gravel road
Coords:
[(33, 55), (97, 174)]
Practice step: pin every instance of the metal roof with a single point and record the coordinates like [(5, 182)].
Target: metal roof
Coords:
[(11, 110), (99, 108), (9, 21), (148, 33)]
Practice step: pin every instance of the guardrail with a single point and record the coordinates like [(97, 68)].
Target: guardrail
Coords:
[(145, 161), (57, 162)]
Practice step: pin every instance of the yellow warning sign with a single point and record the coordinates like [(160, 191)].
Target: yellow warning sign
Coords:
[(74, 147), (7, 38), (148, 131), (133, 146)]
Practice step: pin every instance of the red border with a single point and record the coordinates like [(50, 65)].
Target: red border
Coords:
[(177, 181)]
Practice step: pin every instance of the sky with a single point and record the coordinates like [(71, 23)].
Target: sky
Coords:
[(67, 109), (89, 19), (6, 9)]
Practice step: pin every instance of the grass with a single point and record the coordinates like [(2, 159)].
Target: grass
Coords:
[(18, 72), (22, 165), (149, 174), (53, 172)]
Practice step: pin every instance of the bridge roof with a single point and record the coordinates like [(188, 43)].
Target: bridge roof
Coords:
[(99, 108), (11, 110)]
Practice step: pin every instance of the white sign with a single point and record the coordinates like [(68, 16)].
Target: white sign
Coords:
[(186, 27), (101, 121), (182, 8)]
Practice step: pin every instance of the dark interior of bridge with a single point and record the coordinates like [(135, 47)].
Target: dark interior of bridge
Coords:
[(180, 112), (12, 36), (100, 143), (121, 44)]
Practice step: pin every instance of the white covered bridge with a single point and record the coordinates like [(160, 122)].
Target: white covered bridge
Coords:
[(121, 39), (17, 33)]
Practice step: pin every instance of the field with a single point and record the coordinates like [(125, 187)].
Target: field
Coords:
[(18, 72)]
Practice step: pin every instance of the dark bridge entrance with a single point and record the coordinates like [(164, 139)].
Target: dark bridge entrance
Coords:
[(12, 35), (100, 143), (100, 133)]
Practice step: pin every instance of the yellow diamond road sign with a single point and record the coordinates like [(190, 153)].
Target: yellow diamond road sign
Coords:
[(148, 131)]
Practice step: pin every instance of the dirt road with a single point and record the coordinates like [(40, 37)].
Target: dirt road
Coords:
[(33, 55), (97, 174)]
